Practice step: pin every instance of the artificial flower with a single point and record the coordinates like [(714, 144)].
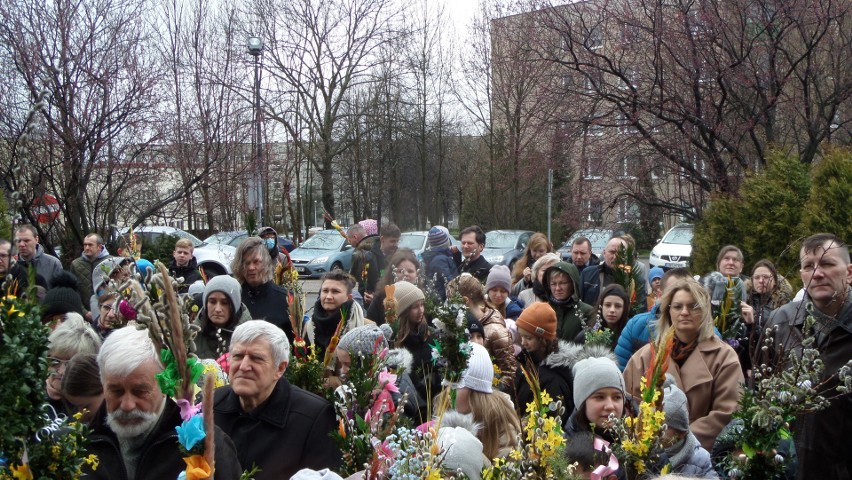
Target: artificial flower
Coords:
[(191, 432), (187, 409), (197, 468)]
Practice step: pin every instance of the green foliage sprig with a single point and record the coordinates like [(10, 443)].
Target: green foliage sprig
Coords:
[(451, 347)]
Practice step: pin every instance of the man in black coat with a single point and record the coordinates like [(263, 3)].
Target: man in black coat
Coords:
[(265, 300), (375, 260), (469, 259), (133, 432), (277, 427), (184, 265)]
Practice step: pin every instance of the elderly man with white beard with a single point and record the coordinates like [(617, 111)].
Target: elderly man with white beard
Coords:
[(133, 432)]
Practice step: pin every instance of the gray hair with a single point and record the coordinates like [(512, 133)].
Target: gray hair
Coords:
[(547, 258), (124, 350), (253, 330), (73, 336), (248, 249)]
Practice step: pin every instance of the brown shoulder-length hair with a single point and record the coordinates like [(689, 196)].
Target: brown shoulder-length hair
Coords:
[(618, 291), (699, 296), (400, 256), (248, 249), (405, 328), (537, 240)]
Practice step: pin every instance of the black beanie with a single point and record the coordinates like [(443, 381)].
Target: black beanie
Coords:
[(62, 297)]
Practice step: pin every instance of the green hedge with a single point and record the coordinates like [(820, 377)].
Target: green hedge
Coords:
[(775, 210)]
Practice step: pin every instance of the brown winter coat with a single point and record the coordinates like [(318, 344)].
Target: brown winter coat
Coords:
[(499, 342), (711, 378)]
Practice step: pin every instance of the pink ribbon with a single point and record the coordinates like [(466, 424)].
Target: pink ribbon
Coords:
[(602, 471)]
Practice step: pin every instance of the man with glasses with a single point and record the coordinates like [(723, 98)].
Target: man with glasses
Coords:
[(826, 275)]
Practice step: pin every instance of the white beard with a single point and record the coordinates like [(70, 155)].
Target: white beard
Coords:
[(124, 431)]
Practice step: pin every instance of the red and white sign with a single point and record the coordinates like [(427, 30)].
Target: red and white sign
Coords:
[(46, 208)]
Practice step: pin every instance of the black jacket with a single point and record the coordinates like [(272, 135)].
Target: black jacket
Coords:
[(269, 302), (479, 268), (554, 376), (189, 273), (286, 433), (594, 278), (161, 458), (362, 256)]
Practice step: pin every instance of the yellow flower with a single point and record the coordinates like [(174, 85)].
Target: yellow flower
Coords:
[(21, 472), (92, 460)]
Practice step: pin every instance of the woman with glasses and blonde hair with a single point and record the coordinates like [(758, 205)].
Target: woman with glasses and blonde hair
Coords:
[(703, 366)]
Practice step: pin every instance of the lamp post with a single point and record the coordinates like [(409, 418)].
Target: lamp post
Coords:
[(255, 48)]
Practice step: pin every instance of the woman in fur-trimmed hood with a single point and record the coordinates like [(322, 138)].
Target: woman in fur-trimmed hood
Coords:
[(547, 357)]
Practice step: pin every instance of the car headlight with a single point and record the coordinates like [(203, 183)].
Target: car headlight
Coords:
[(319, 260), (654, 254), (495, 259)]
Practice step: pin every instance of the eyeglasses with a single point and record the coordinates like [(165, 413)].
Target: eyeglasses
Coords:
[(54, 362), (690, 307)]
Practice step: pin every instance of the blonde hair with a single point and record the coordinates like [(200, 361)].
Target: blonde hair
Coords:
[(699, 295), (184, 243), (500, 422)]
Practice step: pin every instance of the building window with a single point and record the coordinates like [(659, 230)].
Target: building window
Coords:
[(628, 211), (595, 129), (593, 169), (594, 210), (594, 40), (628, 167), (626, 124)]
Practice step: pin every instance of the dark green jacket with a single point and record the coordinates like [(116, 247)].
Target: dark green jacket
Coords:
[(571, 314)]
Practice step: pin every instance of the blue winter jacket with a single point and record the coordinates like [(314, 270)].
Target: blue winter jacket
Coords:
[(440, 270), (635, 335)]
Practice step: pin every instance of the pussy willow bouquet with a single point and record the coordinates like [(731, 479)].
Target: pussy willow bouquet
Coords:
[(366, 409), (761, 428), (626, 275), (451, 347), (35, 442), (538, 453), (639, 447), (411, 454), (161, 311), (728, 318)]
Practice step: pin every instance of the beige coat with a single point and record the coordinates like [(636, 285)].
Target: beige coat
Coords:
[(711, 378)]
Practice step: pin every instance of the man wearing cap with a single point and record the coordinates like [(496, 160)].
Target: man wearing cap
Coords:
[(440, 267), (686, 455), (655, 279)]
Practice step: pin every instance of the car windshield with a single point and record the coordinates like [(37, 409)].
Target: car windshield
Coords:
[(500, 240), (324, 241), (679, 236), (598, 238), (192, 238), (217, 238), (413, 242)]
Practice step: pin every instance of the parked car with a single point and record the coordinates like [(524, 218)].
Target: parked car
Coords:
[(215, 259), (505, 247), (236, 237), (674, 250), (323, 252), (598, 237), (417, 242)]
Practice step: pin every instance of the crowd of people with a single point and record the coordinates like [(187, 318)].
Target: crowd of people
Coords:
[(540, 315)]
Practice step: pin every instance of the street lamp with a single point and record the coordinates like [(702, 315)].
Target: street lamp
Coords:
[(255, 48)]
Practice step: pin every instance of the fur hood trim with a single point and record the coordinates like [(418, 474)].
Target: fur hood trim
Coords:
[(588, 351), (452, 418), (400, 359), (566, 356)]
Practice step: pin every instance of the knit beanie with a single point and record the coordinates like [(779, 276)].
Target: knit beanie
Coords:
[(499, 277), (438, 238), (593, 373), (539, 319), (676, 407), (480, 371), (406, 294), (62, 297), (473, 325), (365, 340), (308, 474), (227, 285), (655, 273), (370, 226), (462, 450)]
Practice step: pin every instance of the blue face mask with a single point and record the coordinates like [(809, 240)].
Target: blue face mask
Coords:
[(270, 243)]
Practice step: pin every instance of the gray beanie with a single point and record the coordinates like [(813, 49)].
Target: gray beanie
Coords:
[(365, 340), (593, 373), (676, 406), (406, 294), (462, 450), (227, 285), (499, 277)]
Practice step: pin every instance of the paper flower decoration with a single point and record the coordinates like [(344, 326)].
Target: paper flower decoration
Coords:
[(191, 432)]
